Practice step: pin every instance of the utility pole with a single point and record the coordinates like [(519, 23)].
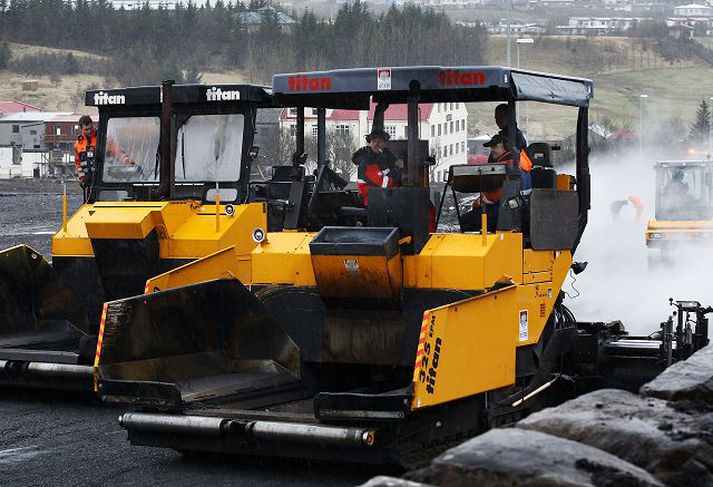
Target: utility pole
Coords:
[(710, 128), (509, 33), (641, 125), (524, 40)]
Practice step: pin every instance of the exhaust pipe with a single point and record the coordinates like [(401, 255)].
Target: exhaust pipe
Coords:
[(166, 186), (258, 430)]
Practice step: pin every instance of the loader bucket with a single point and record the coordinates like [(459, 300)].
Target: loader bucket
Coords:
[(212, 341), (37, 310)]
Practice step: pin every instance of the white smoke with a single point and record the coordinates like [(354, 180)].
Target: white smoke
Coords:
[(618, 283)]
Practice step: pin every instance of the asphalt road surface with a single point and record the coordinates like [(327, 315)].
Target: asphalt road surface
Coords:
[(61, 439)]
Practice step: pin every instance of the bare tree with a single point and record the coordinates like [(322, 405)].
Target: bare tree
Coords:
[(340, 147)]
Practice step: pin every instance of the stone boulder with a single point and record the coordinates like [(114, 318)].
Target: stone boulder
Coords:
[(517, 457), (689, 381), (384, 481), (676, 447)]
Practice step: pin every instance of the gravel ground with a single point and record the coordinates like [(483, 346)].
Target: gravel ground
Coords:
[(32, 211), (59, 439)]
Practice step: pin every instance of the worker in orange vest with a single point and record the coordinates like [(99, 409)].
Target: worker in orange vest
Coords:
[(500, 153), (85, 148)]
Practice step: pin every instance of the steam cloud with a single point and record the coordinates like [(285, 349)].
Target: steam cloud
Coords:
[(618, 283)]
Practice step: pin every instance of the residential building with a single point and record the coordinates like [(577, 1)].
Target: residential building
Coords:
[(253, 20), (687, 27), (693, 10), (12, 106), (443, 3), (599, 25), (61, 132), (26, 130), (443, 125), (153, 4), (516, 28)]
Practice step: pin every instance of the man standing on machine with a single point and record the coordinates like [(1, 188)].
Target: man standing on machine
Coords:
[(377, 164), (85, 148)]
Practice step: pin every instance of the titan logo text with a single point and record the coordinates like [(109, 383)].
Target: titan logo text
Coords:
[(309, 83), (451, 77)]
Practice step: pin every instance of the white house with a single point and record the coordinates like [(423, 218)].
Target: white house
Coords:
[(693, 10), (443, 125), (598, 25)]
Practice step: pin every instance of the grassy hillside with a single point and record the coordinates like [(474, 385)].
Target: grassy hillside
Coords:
[(68, 95), (621, 68)]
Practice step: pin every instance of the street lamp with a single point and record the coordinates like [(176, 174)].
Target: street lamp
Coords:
[(641, 125), (710, 129), (524, 40), (509, 29)]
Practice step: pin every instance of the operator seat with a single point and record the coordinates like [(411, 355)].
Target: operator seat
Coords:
[(542, 173)]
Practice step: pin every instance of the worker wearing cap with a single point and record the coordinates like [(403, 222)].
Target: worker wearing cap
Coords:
[(377, 164), (501, 153)]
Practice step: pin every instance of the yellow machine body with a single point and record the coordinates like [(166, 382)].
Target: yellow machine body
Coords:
[(185, 229), (465, 348), (667, 233)]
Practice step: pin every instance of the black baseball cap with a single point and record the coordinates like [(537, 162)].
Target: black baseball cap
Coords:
[(497, 139)]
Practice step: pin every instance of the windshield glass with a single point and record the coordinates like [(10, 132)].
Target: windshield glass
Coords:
[(684, 193), (131, 150), (209, 148)]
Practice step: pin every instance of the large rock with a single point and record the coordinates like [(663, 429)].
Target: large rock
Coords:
[(384, 481), (676, 447), (516, 457), (690, 380)]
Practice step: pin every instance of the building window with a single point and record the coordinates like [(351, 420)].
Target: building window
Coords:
[(451, 126), (391, 130), (292, 112), (33, 132), (456, 105), (457, 149), (439, 152), (445, 128), (293, 130), (15, 129), (439, 129), (433, 130), (75, 129), (462, 124), (343, 129), (457, 126), (314, 131), (462, 146), (36, 146), (315, 111), (450, 150), (445, 151), (57, 130)]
